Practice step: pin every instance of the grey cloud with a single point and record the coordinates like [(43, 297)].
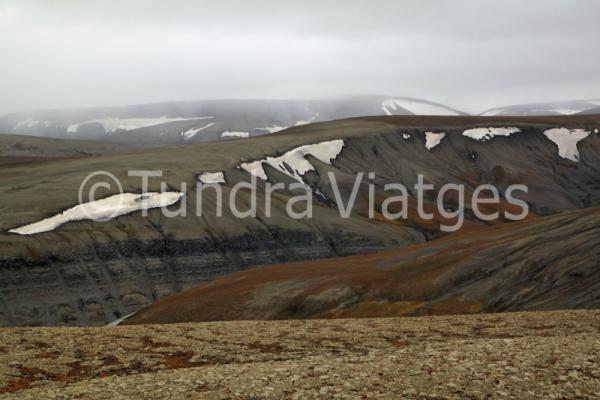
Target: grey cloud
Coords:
[(466, 53)]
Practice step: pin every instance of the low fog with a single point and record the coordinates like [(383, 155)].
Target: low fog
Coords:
[(471, 55)]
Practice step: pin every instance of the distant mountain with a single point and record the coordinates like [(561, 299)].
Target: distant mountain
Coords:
[(209, 120), (595, 110), (554, 108)]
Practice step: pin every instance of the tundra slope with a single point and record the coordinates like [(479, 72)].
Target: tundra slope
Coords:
[(91, 273), (22, 149), (547, 264)]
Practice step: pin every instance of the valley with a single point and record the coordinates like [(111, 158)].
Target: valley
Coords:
[(92, 273)]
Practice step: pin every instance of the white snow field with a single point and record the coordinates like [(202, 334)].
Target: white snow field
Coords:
[(485, 134), (273, 128), (190, 133), (294, 162), (108, 208), (127, 124), (432, 139), (312, 119), (212, 177), (235, 134), (415, 107), (566, 140), (27, 123), (118, 322), (541, 111)]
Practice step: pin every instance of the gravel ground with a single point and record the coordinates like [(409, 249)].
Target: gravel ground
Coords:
[(545, 355)]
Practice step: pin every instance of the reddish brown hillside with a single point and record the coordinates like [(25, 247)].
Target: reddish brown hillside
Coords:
[(549, 263)]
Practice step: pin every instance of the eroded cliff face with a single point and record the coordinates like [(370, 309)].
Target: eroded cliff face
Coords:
[(548, 263), (116, 279), (87, 273)]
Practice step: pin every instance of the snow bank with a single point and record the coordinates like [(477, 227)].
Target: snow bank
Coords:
[(432, 139), (26, 123), (415, 107), (108, 208), (127, 124), (312, 119), (235, 134), (212, 177), (485, 134), (72, 128), (294, 163), (30, 123), (567, 140), (118, 322), (190, 133), (273, 128), (567, 112)]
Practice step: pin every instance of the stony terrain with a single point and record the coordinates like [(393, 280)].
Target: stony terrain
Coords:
[(545, 355)]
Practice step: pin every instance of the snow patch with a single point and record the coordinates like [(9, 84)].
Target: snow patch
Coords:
[(294, 163), (108, 208), (127, 124), (190, 133), (485, 134), (73, 128), (567, 112), (235, 134), (432, 139), (415, 107), (273, 128), (566, 140), (312, 119), (27, 123), (118, 322), (406, 136), (212, 177)]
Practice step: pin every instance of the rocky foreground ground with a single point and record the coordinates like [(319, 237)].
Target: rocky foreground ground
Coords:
[(546, 355)]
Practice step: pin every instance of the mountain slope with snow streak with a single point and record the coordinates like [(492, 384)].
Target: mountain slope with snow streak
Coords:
[(552, 108), (102, 210), (179, 122)]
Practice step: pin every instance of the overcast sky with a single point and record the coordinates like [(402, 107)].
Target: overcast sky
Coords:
[(472, 55)]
